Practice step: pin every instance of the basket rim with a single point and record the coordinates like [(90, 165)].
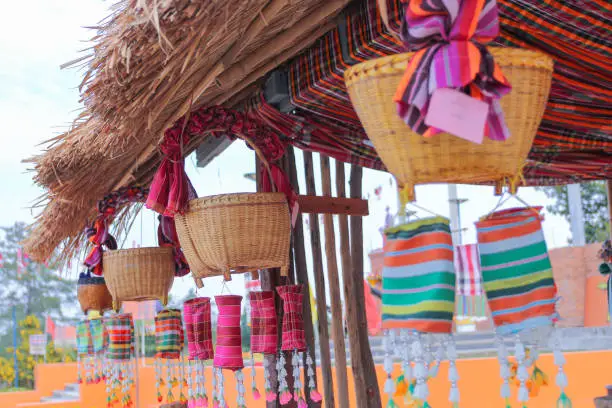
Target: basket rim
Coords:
[(392, 63), (138, 251), (236, 198)]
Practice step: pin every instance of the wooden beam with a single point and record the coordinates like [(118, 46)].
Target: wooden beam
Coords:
[(301, 270), (333, 205), (364, 371), (319, 278), (334, 292)]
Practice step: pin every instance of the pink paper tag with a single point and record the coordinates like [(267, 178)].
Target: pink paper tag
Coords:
[(458, 114)]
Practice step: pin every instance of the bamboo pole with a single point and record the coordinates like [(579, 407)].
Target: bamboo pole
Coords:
[(334, 292), (364, 370), (319, 277), (301, 271)]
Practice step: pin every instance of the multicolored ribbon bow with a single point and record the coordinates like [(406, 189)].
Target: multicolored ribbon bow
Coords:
[(448, 38)]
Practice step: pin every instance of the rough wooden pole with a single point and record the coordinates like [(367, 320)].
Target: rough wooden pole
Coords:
[(364, 371), (334, 292), (301, 273), (321, 298), (609, 182)]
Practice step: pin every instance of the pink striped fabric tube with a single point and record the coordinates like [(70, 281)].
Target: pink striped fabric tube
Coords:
[(229, 341), (293, 319), (264, 330), (199, 328)]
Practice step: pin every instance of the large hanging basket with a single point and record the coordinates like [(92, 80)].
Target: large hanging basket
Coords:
[(93, 294), (444, 158), (139, 274), (235, 233)]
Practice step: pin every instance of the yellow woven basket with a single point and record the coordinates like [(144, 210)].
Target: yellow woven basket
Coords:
[(235, 233), (444, 158), (94, 297), (139, 274)]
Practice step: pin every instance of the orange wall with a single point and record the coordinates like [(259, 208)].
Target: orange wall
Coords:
[(49, 377), (596, 306), (479, 384)]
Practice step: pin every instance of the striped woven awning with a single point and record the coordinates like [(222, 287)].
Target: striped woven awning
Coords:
[(574, 141)]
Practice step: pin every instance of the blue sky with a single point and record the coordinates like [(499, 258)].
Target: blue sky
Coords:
[(38, 101)]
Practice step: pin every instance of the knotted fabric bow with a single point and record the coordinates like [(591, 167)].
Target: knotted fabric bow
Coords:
[(448, 38)]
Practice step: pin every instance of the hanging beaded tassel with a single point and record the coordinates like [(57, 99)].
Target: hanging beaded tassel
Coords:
[(254, 390), (522, 374), (504, 368), (108, 382), (283, 387), (158, 380), (119, 352), (298, 385), (201, 395), (312, 386), (221, 382), (421, 389), (404, 381), (389, 387), (270, 393), (561, 379), (183, 382), (169, 340), (215, 390), (191, 399), (240, 388), (264, 336), (453, 374)]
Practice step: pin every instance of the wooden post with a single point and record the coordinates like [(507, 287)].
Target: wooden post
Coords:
[(609, 182), (319, 277), (301, 273), (334, 292), (364, 371)]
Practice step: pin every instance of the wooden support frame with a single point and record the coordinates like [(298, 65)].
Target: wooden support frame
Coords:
[(321, 300), (333, 205), (334, 292)]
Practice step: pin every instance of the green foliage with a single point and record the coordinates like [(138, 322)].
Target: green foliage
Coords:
[(33, 289), (245, 331), (594, 205), (26, 362)]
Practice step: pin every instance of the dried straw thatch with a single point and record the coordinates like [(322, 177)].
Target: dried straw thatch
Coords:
[(152, 61)]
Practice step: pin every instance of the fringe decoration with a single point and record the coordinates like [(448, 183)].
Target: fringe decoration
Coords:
[(254, 390), (433, 370), (389, 387), (298, 385), (561, 379), (241, 402), (215, 390), (315, 396), (182, 381), (421, 389), (108, 382), (453, 373), (522, 373), (221, 382), (191, 399), (283, 387), (504, 368), (169, 382), (270, 394)]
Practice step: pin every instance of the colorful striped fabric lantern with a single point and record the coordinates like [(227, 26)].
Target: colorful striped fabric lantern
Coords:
[(418, 296), (120, 372), (419, 277), (197, 316), (293, 339), (228, 353), (264, 335), (169, 341), (516, 270)]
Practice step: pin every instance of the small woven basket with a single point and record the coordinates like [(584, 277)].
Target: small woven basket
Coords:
[(93, 294), (235, 233), (139, 274), (414, 159)]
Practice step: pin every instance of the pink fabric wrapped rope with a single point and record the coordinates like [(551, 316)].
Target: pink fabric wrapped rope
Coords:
[(264, 330), (228, 354), (293, 320), (199, 328)]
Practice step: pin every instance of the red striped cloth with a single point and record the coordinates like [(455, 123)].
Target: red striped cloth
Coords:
[(199, 328), (467, 268), (229, 341), (264, 329), (293, 319)]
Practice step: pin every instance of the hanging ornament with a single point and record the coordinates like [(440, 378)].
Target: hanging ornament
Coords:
[(264, 333), (84, 347), (98, 345), (169, 341), (228, 353), (119, 353), (561, 378), (293, 339), (418, 295), (198, 326)]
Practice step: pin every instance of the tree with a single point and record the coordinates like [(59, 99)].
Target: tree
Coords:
[(594, 205), (33, 288)]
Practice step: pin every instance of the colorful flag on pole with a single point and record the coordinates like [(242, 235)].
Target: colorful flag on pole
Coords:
[(467, 268)]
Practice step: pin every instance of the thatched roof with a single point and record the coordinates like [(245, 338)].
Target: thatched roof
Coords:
[(152, 61)]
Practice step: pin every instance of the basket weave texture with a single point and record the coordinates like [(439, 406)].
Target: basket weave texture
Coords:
[(94, 297), (139, 274), (235, 233), (444, 158)]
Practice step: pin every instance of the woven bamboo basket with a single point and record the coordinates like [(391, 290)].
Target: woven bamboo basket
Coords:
[(139, 274), (414, 159), (235, 233), (93, 294)]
